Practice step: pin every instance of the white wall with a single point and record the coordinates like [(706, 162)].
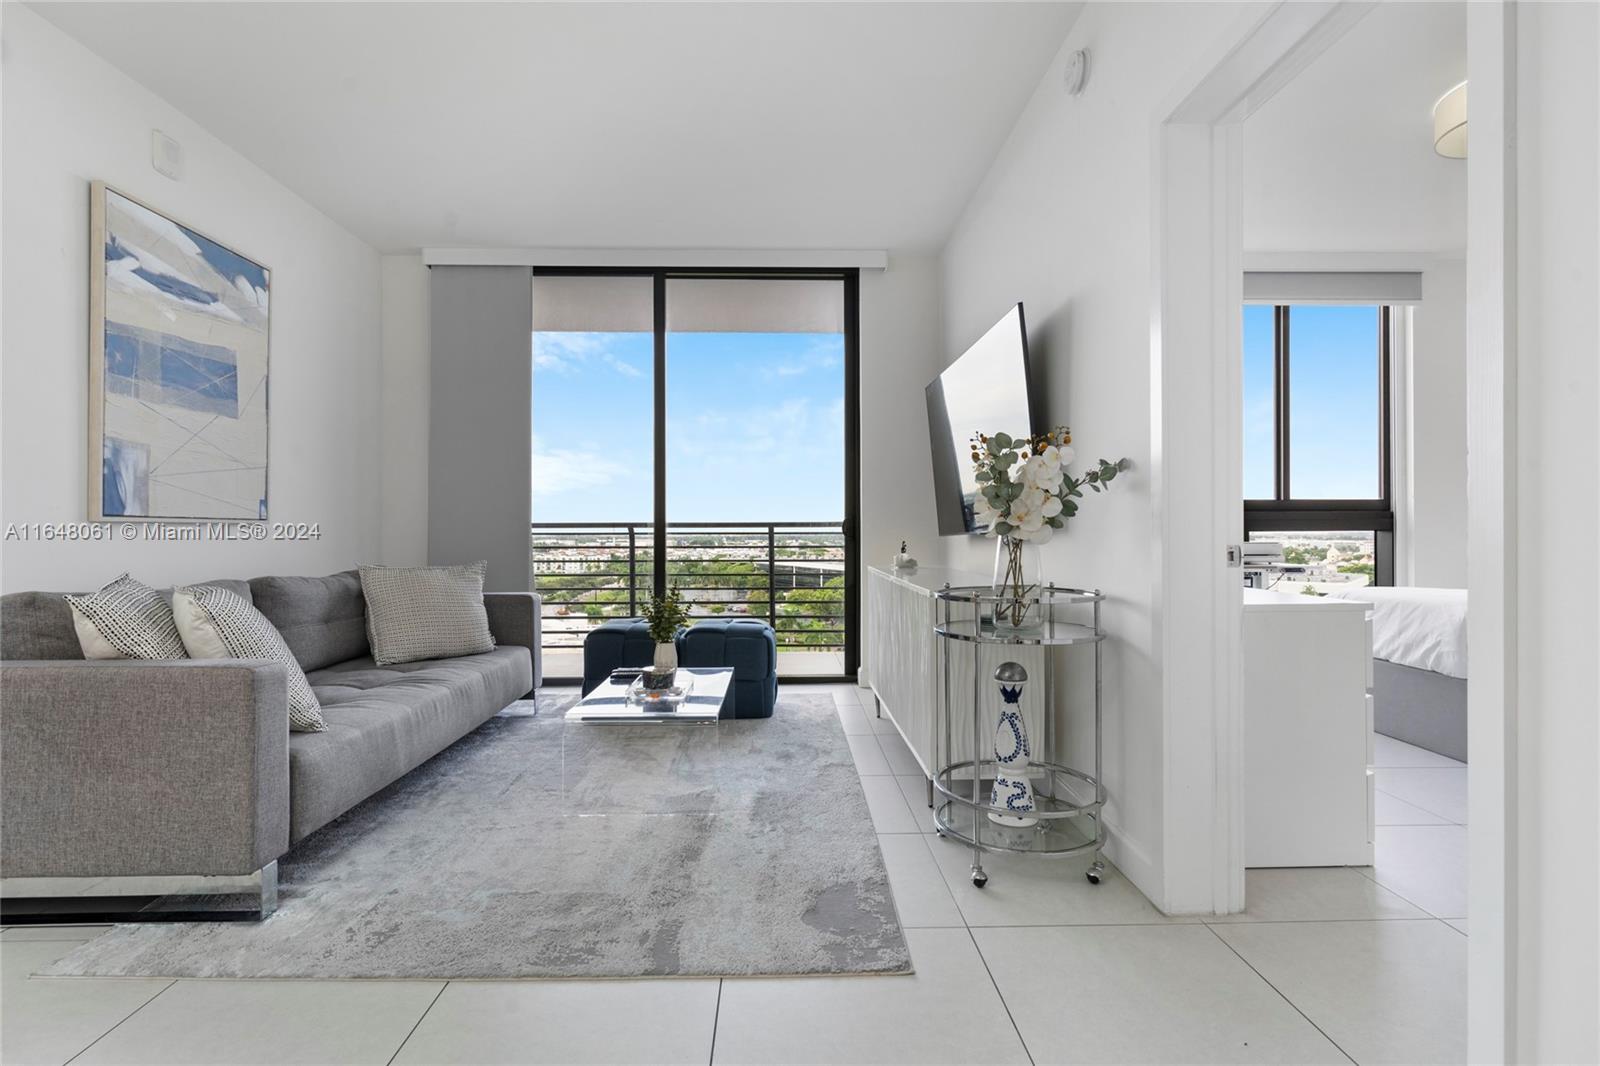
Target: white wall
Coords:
[(70, 118), (1062, 223), (1438, 429), (901, 351), (1340, 174), (1556, 915), (404, 540), (1341, 159)]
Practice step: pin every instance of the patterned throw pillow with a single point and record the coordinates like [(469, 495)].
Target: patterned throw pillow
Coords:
[(126, 619), (425, 612), (218, 624)]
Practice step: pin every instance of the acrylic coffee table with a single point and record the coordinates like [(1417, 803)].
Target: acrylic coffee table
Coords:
[(608, 703)]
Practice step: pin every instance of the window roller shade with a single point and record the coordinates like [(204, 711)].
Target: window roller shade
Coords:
[(1332, 287)]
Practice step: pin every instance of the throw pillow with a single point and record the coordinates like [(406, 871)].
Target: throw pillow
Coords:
[(126, 619), (425, 612), (218, 624)]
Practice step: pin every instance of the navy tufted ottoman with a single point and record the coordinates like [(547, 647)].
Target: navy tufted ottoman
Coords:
[(613, 645), (750, 648), (745, 644)]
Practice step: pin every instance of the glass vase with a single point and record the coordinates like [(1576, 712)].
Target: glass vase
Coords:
[(1016, 584)]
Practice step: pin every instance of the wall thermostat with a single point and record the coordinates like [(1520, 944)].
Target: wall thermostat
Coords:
[(166, 155), (1077, 72)]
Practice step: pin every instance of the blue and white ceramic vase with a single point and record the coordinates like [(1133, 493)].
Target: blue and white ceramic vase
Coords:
[(1012, 789)]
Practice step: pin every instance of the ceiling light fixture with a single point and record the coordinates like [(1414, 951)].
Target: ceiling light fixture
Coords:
[(1450, 123)]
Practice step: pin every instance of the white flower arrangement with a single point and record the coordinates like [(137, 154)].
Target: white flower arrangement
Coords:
[(1024, 490), (1024, 495)]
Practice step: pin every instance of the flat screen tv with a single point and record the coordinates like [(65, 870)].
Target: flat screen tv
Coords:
[(986, 390)]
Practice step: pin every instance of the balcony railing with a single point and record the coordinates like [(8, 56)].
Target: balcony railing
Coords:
[(789, 573)]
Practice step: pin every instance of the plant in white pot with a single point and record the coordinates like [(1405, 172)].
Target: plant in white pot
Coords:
[(1024, 495), (665, 615)]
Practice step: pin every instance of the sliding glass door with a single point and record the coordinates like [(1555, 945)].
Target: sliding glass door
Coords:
[(698, 431)]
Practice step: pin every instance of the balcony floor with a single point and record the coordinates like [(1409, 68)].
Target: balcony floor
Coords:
[(568, 662)]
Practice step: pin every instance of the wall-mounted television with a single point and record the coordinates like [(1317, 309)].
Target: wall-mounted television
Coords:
[(986, 390)]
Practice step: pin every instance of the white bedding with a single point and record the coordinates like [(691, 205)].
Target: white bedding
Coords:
[(1423, 628)]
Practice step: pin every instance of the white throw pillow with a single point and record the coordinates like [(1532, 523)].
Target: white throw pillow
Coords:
[(217, 624), (126, 619), (425, 612)]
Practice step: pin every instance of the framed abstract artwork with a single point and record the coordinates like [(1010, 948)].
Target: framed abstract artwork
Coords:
[(178, 353)]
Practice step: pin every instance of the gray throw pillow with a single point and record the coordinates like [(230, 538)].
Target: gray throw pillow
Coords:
[(218, 624), (425, 612), (126, 619)]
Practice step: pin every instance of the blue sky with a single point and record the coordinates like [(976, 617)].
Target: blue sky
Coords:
[(755, 427), (1333, 402)]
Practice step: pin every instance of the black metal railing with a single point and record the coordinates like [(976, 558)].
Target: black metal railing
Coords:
[(789, 573)]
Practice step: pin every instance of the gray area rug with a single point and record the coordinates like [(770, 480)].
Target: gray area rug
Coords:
[(534, 849)]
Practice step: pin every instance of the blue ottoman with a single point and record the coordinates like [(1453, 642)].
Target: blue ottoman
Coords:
[(613, 645), (745, 644)]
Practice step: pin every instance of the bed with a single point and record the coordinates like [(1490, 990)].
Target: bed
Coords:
[(1419, 670)]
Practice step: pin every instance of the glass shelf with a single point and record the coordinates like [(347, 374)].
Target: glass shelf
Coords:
[(1049, 595), (1049, 633), (1057, 838)]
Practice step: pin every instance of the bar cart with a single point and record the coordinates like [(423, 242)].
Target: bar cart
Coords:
[(1065, 798)]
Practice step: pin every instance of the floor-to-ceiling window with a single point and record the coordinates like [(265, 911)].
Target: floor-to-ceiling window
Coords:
[(1316, 439), (697, 430)]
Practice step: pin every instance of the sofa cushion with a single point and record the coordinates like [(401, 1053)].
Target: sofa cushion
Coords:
[(418, 613), (383, 721), (38, 625), (217, 624), (126, 619), (322, 619)]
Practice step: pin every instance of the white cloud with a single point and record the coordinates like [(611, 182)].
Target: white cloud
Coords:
[(564, 352), (625, 369), (823, 353), (558, 471)]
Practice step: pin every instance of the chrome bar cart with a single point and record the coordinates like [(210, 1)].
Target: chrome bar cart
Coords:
[(1066, 798)]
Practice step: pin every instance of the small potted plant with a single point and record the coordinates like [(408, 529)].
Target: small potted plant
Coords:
[(665, 615)]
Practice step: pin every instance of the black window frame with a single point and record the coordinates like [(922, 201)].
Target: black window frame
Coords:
[(1285, 513), (850, 278)]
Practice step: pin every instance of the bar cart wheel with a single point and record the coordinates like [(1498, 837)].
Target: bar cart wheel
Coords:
[(1094, 871), (979, 878)]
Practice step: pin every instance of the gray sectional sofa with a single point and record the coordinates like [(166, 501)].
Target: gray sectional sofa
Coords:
[(120, 768)]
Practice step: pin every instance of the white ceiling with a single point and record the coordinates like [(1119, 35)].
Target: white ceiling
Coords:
[(738, 125), (1342, 159)]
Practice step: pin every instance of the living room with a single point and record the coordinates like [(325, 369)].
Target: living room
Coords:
[(699, 435)]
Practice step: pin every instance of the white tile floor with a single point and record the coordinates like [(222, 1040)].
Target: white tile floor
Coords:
[(1328, 965)]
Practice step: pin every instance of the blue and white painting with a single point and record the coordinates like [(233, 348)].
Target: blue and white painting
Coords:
[(179, 370)]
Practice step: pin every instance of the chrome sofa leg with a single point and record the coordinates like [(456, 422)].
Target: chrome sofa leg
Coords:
[(269, 888)]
